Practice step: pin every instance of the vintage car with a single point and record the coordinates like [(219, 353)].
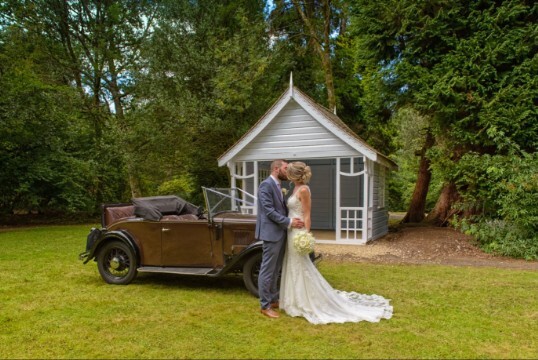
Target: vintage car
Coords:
[(166, 234)]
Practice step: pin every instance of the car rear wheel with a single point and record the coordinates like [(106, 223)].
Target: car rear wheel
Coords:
[(116, 262), (251, 270)]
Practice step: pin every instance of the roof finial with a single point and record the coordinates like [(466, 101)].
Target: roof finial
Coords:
[(291, 83), (334, 110)]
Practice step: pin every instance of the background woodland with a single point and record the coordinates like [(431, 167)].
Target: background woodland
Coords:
[(103, 100)]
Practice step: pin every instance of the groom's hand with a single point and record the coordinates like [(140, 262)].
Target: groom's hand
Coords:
[(297, 223)]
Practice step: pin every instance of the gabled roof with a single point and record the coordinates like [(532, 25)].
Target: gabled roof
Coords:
[(323, 115)]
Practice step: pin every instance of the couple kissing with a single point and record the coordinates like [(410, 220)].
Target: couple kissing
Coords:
[(303, 291)]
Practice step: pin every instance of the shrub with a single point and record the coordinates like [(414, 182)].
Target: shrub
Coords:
[(506, 192)]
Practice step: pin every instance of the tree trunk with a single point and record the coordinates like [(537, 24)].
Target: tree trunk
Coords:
[(415, 213), (443, 210), (321, 44), (134, 181), (134, 184)]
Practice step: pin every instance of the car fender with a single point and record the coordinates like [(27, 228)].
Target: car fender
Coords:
[(106, 236), (252, 249)]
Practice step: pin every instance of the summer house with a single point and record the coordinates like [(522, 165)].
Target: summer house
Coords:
[(348, 182)]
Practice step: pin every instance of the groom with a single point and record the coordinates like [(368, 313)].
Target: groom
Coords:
[(272, 226)]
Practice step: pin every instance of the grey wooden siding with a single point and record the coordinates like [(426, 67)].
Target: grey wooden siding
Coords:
[(380, 187), (380, 216), (380, 223), (295, 134), (323, 194), (375, 194)]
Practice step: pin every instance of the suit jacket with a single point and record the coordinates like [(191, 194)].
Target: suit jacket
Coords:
[(272, 220)]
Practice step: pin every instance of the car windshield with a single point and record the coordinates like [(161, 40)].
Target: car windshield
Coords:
[(228, 199)]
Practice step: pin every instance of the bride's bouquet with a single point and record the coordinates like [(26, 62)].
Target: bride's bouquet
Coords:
[(303, 242)]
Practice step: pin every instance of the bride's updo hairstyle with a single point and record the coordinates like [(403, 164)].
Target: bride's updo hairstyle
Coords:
[(299, 171)]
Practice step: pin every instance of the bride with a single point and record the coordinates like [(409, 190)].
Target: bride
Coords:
[(303, 290)]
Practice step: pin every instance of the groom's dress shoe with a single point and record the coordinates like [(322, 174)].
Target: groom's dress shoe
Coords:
[(275, 305), (270, 313)]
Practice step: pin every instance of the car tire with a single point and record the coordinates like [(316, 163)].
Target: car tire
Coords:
[(116, 262), (251, 270)]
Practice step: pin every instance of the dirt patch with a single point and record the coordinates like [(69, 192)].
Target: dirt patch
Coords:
[(422, 245)]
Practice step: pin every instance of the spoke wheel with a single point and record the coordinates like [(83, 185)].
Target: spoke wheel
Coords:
[(116, 262)]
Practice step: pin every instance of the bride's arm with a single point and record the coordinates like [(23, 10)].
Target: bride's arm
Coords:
[(306, 201)]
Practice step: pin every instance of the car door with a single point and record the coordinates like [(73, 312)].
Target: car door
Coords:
[(186, 244)]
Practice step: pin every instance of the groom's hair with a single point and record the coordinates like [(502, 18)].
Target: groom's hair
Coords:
[(277, 163)]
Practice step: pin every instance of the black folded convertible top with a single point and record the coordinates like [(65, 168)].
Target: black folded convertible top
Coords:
[(154, 207)]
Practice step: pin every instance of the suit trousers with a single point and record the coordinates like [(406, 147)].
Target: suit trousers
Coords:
[(268, 284)]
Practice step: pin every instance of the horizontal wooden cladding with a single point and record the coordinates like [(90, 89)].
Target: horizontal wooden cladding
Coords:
[(300, 153), (303, 144), (380, 220), (292, 108), (314, 145), (299, 121), (294, 133), (291, 143), (294, 142)]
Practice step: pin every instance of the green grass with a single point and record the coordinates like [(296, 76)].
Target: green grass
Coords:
[(52, 306)]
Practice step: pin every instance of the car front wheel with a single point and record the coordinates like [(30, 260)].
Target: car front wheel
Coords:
[(251, 270), (116, 262)]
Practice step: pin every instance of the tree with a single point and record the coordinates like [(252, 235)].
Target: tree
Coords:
[(466, 66), (97, 44), (206, 80), (411, 139), (321, 21), (45, 144)]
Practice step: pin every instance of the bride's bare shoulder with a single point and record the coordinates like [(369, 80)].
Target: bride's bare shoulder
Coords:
[(304, 190)]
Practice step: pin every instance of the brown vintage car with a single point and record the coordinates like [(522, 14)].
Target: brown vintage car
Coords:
[(166, 234)]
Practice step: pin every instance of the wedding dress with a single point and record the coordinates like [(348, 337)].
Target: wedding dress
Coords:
[(304, 292)]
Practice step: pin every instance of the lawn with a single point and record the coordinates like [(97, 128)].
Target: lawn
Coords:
[(53, 306)]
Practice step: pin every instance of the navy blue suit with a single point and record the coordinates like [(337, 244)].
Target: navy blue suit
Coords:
[(272, 228)]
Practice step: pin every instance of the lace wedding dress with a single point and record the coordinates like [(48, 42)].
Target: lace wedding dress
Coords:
[(304, 291)]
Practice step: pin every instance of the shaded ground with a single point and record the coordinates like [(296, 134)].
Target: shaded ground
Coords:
[(422, 245), (407, 245)]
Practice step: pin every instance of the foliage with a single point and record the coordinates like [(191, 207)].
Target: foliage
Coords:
[(506, 191), (305, 42), (180, 186), (466, 66), (94, 46), (463, 66), (197, 106), (45, 144), (101, 101), (289, 32), (409, 126)]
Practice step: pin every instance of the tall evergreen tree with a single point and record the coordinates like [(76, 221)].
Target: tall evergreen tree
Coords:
[(467, 66)]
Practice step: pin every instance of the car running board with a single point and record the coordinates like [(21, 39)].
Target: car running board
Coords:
[(178, 270)]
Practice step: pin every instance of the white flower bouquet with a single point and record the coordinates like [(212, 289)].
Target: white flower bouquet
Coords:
[(304, 242)]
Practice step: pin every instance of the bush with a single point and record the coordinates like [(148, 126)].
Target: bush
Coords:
[(181, 186), (506, 192)]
